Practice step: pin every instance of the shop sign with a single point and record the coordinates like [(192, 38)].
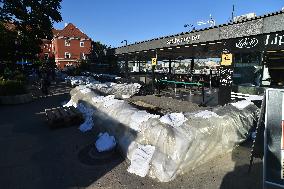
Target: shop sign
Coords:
[(246, 43), (180, 40), (273, 161), (227, 59), (154, 61), (274, 39)]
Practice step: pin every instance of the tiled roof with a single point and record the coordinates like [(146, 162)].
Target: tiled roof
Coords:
[(71, 31), (56, 32)]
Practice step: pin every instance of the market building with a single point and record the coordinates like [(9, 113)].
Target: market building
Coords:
[(256, 45)]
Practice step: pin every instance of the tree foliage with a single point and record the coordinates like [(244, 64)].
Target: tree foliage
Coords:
[(101, 54), (33, 21), (98, 54)]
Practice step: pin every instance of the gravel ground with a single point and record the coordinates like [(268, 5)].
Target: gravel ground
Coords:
[(229, 171), (164, 104)]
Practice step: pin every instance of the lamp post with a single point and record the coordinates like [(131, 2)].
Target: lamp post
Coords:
[(191, 28), (126, 61), (124, 41)]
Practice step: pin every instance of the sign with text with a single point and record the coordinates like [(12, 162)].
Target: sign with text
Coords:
[(272, 41), (154, 61), (273, 162), (183, 40), (225, 84), (227, 59)]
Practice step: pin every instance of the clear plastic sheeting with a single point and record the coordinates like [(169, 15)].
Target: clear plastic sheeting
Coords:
[(138, 119), (173, 119), (85, 91), (177, 149), (206, 114), (124, 90), (80, 80), (140, 160)]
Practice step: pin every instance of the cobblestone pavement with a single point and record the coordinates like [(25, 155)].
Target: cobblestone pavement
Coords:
[(34, 156)]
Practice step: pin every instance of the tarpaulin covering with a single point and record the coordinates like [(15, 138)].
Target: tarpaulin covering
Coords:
[(120, 90), (197, 138)]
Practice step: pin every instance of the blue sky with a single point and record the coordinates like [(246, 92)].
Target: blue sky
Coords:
[(111, 21)]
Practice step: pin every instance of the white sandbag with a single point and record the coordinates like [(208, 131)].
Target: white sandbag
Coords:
[(70, 103), (87, 125), (137, 119), (105, 142), (173, 119), (98, 99), (179, 148), (87, 113), (206, 114), (85, 91), (111, 102), (140, 160)]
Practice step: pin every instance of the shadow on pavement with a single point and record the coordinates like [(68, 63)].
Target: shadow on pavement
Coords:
[(239, 178)]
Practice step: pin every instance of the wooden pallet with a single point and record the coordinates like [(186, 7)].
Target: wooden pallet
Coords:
[(63, 117)]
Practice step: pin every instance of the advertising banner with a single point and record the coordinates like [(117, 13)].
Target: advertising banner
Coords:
[(273, 170)]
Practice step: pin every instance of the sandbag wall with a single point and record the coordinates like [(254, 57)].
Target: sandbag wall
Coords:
[(178, 149)]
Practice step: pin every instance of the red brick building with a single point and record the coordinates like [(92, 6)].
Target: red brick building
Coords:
[(69, 46)]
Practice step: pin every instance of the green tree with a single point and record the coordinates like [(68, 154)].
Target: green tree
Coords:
[(33, 21), (102, 54), (7, 43), (98, 54)]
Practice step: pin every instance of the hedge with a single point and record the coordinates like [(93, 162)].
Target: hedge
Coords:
[(12, 87)]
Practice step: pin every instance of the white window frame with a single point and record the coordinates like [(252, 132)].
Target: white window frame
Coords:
[(66, 54), (82, 42), (66, 43)]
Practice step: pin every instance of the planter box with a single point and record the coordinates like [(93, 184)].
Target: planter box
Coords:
[(16, 99)]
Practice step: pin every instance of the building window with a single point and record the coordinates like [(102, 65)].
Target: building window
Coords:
[(67, 55), (67, 42), (81, 43)]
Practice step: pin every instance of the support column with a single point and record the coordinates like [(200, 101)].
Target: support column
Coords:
[(192, 65), (226, 79), (170, 67), (139, 66), (153, 73), (126, 68)]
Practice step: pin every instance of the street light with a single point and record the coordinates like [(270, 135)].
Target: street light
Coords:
[(126, 61), (124, 41)]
